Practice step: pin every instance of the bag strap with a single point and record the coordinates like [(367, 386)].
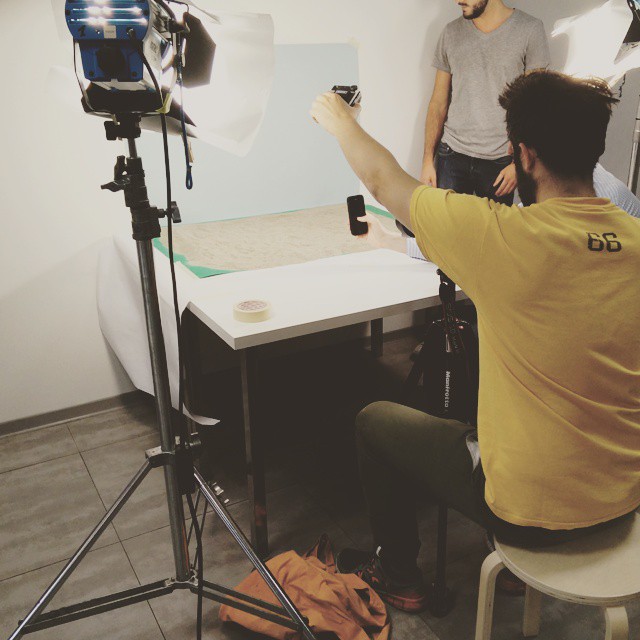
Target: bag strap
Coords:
[(450, 320)]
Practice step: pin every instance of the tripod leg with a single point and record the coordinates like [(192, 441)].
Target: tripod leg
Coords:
[(260, 567), (441, 597), (441, 562), (84, 548), (413, 379)]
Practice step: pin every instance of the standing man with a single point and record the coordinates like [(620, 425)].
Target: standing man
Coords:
[(466, 147)]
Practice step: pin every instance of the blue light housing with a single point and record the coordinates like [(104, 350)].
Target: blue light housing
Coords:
[(110, 34)]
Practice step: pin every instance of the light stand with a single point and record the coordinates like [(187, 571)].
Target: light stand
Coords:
[(632, 182), (175, 456), (633, 37)]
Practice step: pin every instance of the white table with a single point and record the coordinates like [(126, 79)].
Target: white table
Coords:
[(308, 298)]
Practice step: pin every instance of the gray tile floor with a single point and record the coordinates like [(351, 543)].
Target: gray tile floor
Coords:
[(55, 483)]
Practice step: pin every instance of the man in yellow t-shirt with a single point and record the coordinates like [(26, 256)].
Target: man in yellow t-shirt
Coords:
[(555, 284)]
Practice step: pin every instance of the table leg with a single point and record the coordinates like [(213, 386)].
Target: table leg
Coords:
[(192, 361), (254, 450), (377, 337)]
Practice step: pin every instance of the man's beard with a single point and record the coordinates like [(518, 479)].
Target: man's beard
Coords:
[(527, 187), (478, 10)]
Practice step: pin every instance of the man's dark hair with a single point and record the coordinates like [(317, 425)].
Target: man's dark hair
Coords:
[(563, 118)]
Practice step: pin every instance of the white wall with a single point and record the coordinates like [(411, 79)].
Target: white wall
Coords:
[(275, 175), (55, 217), (396, 43)]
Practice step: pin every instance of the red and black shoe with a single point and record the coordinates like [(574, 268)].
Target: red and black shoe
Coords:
[(411, 597)]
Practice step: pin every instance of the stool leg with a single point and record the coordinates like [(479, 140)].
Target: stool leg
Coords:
[(491, 567), (617, 623), (532, 608)]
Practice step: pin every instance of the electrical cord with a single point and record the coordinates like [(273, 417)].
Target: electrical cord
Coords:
[(174, 286), (624, 81), (185, 142), (191, 527), (179, 47), (181, 422), (199, 563), (167, 8)]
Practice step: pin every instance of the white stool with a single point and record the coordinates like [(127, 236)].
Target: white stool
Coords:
[(600, 569)]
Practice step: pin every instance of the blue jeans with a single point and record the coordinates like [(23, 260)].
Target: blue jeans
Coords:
[(465, 174)]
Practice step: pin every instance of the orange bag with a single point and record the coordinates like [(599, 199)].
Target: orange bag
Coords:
[(340, 603)]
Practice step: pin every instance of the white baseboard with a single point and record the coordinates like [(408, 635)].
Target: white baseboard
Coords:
[(70, 414)]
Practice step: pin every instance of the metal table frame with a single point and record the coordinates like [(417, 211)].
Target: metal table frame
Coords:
[(254, 438)]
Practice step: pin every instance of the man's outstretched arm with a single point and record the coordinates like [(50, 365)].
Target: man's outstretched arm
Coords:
[(380, 172)]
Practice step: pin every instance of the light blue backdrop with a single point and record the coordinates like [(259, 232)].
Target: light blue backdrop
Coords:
[(293, 163)]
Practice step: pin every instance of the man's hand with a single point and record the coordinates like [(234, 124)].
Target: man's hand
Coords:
[(507, 180), (379, 237), (332, 113), (380, 172), (429, 175)]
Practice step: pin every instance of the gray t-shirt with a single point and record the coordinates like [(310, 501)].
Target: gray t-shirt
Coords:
[(481, 64)]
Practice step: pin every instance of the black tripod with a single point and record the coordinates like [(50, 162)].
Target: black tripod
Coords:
[(441, 598), (175, 455)]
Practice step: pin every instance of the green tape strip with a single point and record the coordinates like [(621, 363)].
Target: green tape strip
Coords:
[(207, 272), (380, 212), (201, 272)]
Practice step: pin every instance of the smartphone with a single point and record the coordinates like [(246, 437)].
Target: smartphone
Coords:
[(355, 205)]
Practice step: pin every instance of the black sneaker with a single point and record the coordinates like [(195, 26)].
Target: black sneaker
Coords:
[(411, 598)]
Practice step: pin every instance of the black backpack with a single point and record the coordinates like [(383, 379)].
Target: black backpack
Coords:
[(447, 364)]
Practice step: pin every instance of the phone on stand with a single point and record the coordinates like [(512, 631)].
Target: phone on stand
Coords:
[(350, 94), (355, 205)]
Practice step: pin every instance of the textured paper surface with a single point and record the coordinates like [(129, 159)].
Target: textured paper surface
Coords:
[(268, 241)]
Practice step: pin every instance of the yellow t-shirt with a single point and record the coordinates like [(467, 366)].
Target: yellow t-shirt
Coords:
[(557, 291)]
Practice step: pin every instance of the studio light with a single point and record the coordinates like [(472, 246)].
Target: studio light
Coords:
[(228, 66), (122, 46), (133, 53), (596, 42), (605, 43)]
